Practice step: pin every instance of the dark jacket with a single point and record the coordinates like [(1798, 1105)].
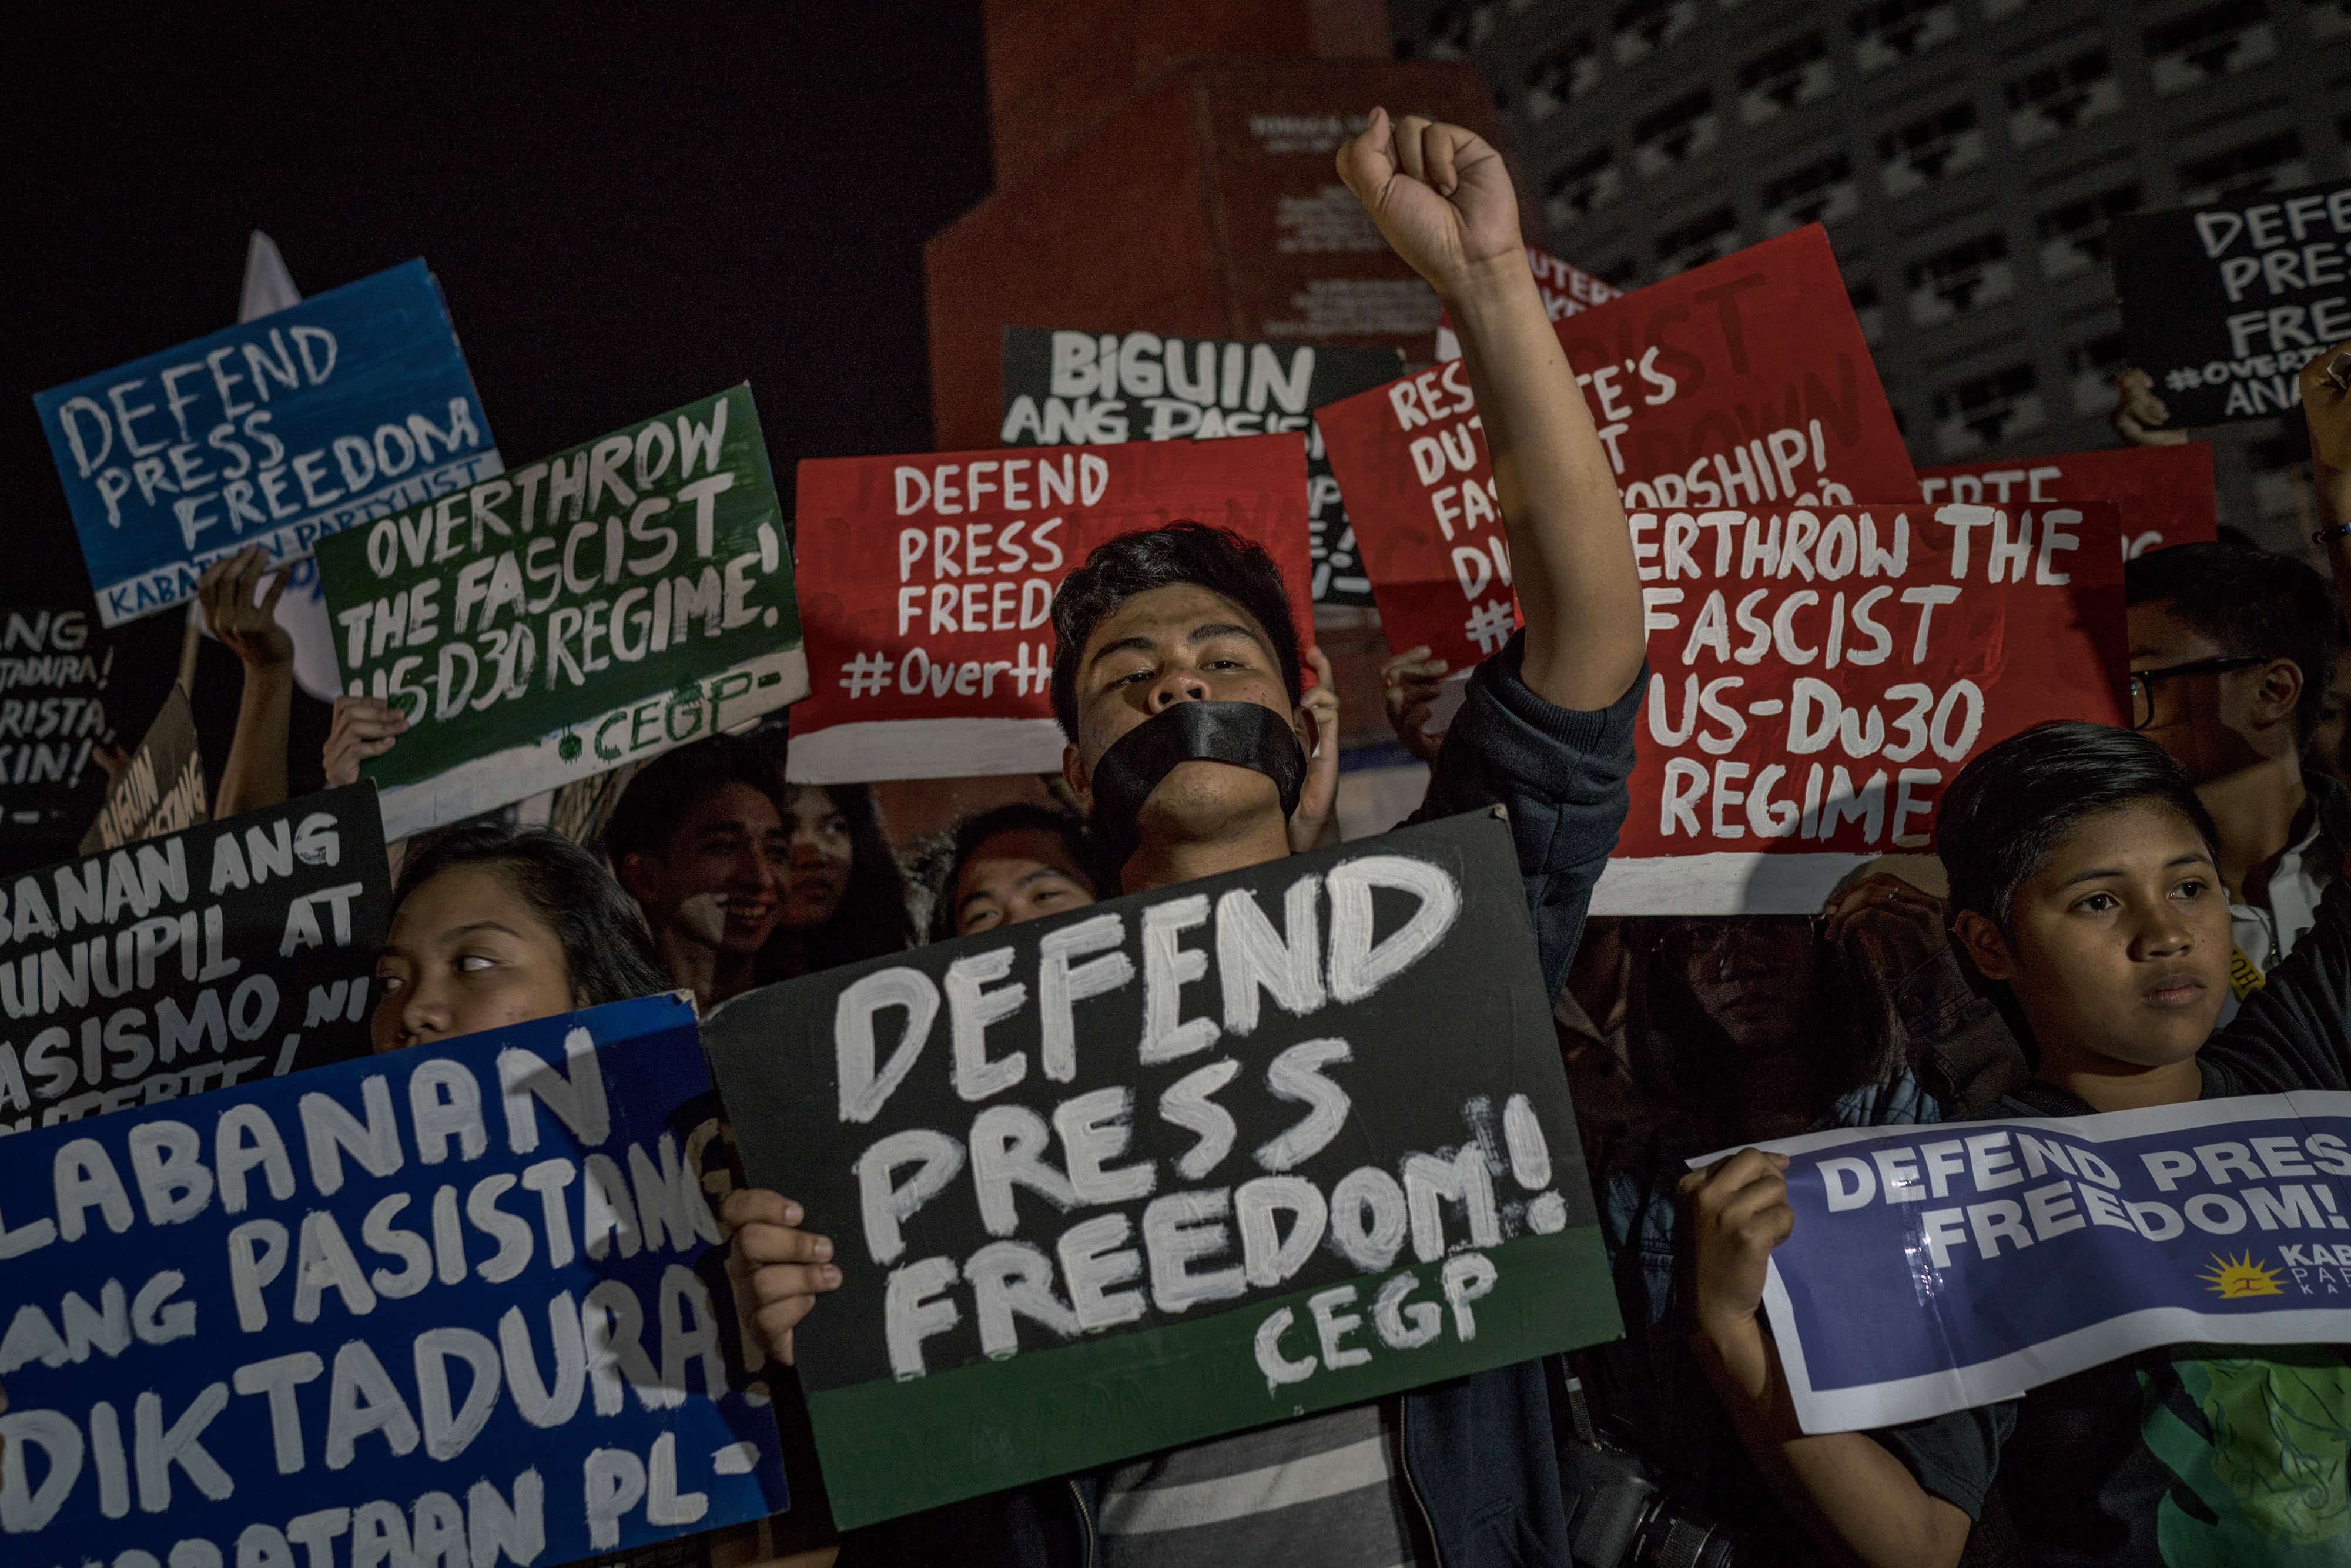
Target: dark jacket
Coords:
[(1478, 1454)]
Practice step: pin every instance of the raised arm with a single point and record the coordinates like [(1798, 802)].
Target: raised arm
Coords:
[(254, 776), (1443, 199)]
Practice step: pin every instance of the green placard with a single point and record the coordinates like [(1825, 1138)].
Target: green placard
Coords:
[(628, 595), (1186, 1162)]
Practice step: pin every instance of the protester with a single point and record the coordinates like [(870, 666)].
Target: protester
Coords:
[(1741, 1029), (255, 774), (843, 893), (698, 839), (1176, 679), (493, 925), (2230, 653), (2084, 874), (1016, 863)]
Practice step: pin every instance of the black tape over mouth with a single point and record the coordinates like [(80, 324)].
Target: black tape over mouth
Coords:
[(1246, 735)]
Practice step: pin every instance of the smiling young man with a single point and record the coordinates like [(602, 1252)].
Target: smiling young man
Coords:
[(1176, 679), (2232, 652), (2086, 880), (700, 839)]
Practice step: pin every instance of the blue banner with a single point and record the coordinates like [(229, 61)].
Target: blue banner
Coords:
[(1940, 1268), (459, 1303), (350, 405)]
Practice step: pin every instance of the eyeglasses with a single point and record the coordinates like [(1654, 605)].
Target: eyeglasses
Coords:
[(1687, 942), (2142, 682)]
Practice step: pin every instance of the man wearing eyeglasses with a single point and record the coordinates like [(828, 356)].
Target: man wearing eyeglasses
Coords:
[(2231, 653)]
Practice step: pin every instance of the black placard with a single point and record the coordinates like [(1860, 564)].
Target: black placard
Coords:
[(2224, 304), (218, 954), (54, 671), (162, 790), (1175, 1164), (1093, 389)]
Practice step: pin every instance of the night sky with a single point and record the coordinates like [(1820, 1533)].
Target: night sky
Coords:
[(626, 208)]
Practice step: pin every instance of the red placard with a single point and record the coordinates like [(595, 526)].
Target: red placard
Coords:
[(1819, 677), (2166, 493), (1566, 289), (1744, 382), (925, 584)]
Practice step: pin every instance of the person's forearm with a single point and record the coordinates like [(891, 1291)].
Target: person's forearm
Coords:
[(254, 776), (1571, 551), (1857, 1498)]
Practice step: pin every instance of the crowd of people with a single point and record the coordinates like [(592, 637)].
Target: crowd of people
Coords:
[(2133, 917)]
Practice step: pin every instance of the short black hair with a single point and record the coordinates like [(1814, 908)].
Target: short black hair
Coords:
[(2252, 603), (666, 790), (1019, 816), (606, 949), (1218, 560), (2006, 812)]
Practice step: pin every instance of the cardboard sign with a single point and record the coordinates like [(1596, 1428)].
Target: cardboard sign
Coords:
[(1098, 389), (278, 432), (53, 676), (926, 588), (1194, 1160), (2223, 305), (1917, 1281), (226, 952), (163, 789), (457, 1304), (1742, 384), (1566, 289), (1818, 676), (2165, 494), (620, 598)]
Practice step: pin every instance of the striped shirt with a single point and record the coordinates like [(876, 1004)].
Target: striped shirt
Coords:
[(1321, 1490)]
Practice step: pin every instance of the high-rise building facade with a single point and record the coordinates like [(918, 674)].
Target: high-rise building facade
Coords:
[(1967, 157)]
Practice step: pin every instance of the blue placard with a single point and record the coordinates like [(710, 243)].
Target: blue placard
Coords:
[(460, 1300), (1919, 1278), (349, 405)]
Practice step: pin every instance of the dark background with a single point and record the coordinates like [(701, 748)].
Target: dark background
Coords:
[(626, 209)]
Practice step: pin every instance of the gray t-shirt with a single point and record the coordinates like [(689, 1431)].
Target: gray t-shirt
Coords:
[(1321, 1490)]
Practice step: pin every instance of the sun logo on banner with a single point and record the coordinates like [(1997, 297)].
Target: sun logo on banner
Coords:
[(2233, 1279)]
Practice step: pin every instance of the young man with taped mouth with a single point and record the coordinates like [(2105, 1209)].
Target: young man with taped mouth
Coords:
[(2084, 875), (1177, 680)]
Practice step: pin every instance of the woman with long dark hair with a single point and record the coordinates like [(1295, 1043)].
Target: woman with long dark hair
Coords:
[(844, 896), (1738, 1030), (493, 926)]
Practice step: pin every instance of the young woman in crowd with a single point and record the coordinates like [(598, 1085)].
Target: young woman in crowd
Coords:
[(492, 927), (843, 896), (1738, 1030), (1013, 864)]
